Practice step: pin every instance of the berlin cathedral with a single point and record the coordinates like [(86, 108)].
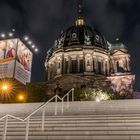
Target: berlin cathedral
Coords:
[(82, 56)]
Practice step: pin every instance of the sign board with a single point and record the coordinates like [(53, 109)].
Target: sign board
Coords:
[(15, 60)]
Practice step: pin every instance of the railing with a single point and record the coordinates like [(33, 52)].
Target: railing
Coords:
[(43, 107)]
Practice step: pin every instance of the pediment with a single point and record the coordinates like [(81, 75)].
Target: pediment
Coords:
[(119, 52)]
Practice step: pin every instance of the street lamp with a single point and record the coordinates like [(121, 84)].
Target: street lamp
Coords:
[(5, 91), (21, 98), (5, 87)]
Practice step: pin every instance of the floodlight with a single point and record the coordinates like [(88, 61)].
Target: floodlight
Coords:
[(29, 42), (26, 38), (10, 34), (36, 50), (3, 35), (33, 46), (97, 100)]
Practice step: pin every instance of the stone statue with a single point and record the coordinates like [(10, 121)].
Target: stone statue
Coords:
[(58, 89), (87, 40)]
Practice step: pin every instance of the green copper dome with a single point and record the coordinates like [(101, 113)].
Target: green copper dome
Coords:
[(118, 46), (81, 35)]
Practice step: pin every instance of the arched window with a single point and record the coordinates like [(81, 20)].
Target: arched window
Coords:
[(106, 72), (74, 66), (66, 66), (81, 69), (88, 62), (117, 66), (51, 71), (94, 66), (59, 65), (99, 67)]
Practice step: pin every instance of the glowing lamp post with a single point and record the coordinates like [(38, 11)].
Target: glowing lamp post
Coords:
[(5, 87), (21, 98), (5, 90)]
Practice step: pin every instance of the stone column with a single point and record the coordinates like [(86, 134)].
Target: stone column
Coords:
[(128, 64), (92, 64), (69, 65), (84, 63), (78, 64), (103, 68), (48, 70), (96, 65)]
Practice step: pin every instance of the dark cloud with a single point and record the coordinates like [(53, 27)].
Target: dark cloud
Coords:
[(43, 20)]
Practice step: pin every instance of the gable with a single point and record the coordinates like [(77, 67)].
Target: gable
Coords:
[(119, 52)]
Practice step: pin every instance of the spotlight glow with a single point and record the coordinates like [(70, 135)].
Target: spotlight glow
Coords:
[(7, 89), (10, 34), (97, 100), (13, 30), (26, 38), (21, 97), (36, 50), (3, 35), (29, 42), (33, 46)]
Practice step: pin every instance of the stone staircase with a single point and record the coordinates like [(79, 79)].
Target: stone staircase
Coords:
[(107, 120)]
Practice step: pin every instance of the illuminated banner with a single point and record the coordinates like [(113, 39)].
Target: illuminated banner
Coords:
[(7, 57), (15, 60), (23, 63)]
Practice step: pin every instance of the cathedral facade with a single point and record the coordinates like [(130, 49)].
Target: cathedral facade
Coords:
[(82, 56)]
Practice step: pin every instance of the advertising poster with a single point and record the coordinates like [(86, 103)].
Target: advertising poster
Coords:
[(3, 45), (11, 48), (7, 57), (23, 63)]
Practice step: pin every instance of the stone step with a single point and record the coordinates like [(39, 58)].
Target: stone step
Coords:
[(77, 132), (121, 121), (81, 137), (74, 124), (82, 121), (83, 117), (87, 107), (70, 128)]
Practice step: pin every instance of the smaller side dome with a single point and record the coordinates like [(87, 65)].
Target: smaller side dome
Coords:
[(117, 46)]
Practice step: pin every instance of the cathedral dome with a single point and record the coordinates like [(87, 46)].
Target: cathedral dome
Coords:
[(81, 35), (118, 46)]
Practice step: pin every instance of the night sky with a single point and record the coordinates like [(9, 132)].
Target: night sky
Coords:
[(43, 21)]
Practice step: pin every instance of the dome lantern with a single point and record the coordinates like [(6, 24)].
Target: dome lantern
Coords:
[(80, 20)]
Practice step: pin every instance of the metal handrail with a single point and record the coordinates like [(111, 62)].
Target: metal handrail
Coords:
[(42, 106), (56, 97), (67, 95)]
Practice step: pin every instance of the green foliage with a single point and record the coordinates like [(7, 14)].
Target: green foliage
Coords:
[(87, 94)]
